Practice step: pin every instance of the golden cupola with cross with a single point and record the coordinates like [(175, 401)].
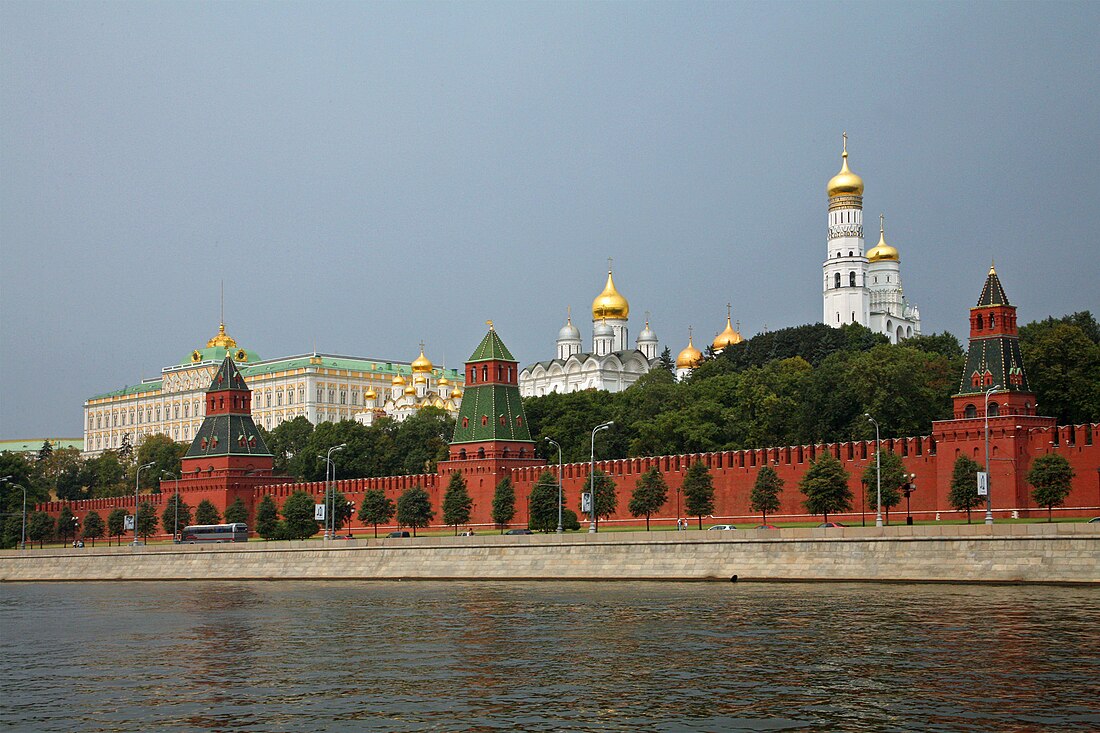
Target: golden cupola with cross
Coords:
[(729, 336)]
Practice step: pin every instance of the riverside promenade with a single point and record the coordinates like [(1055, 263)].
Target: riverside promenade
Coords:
[(1008, 553)]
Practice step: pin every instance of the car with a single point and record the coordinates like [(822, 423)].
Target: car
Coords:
[(519, 531), (1094, 520), (467, 533), (765, 526), (721, 526), (399, 534), (832, 524)]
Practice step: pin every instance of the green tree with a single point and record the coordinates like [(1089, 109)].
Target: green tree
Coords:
[(376, 508), (665, 361), (342, 511), (146, 520), (825, 485), (457, 504), (164, 453), (542, 504), (109, 476), (569, 521), (422, 440), (93, 526), (893, 478), (267, 518), (698, 489), (1063, 367), (66, 523), (414, 509), (207, 513), (116, 524), (765, 492), (606, 501), (964, 485), (176, 515), (288, 440), (236, 512), (1051, 477), (650, 494), (504, 503), (298, 522), (45, 451), (40, 527)]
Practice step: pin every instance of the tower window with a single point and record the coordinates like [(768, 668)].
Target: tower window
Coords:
[(836, 281), (981, 322), (970, 411), (850, 253), (991, 320), (851, 279)]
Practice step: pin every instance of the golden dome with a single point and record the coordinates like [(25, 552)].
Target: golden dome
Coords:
[(370, 394), (456, 393), (422, 363), (410, 389), (419, 379), (609, 304), (222, 339), (690, 357), (727, 337), (845, 183), (443, 381), (882, 251), (398, 381)]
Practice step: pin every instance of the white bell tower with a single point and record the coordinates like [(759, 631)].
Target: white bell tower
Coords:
[(847, 298)]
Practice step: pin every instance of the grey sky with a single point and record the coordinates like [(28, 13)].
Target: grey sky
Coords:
[(365, 176)]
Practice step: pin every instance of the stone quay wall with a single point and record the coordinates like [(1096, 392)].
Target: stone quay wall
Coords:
[(1023, 553)]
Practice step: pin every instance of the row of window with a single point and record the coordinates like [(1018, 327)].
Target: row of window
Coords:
[(504, 373), (140, 416)]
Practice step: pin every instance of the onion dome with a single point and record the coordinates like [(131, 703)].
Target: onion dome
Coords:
[(456, 393), (845, 183), (882, 251), (370, 394), (410, 389), (218, 348), (398, 381), (422, 364), (443, 381), (419, 379), (690, 357), (609, 303), (603, 330), (569, 332), (729, 337), (647, 333)]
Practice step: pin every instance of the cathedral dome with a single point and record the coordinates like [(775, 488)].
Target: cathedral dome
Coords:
[(882, 251), (456, 393), (690, 357), (419, 379), (647, 334), (370, 394), (443, 382), (410, 389), (602, 329), (729, 337), (609, 303), (845, 183), (422, 363), (569, 332), (398, 381)]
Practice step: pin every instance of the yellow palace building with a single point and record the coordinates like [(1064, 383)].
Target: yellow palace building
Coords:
[(319, 387)]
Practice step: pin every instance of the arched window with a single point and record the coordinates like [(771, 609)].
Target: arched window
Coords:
[(981, 322), (480, 452), (836, 280), (851, 279), (991, 316), (994, 409), (462, 454), (970, 411), (484, 373)]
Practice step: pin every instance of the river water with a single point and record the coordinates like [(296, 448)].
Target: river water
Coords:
[(547, 656)]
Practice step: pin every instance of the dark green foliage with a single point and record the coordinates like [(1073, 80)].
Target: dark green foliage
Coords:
[(698, 490), (414, 509), (765, 492), (569, 521), (504, 503), (650, 494), (893, 476), (422, 440), (267, 519), (40, 527), (964, 485), (543, 504), (288, 439), (825, 485), (666, 362), (343, 510), (376, 508), (1051, 477), (116, 523), (108, 476), (45, 451), (1062, 360), (298, 522), (207, 513), (606, 500), (146, 520), (174, 518), (164, 453), (572, 416), (945, 344), (94, 527), (457, 503), (237, 512), (66, 526), (20, 471)]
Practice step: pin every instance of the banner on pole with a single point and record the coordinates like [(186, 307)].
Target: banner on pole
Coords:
[(983, 483)]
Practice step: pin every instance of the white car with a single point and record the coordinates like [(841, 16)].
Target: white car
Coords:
[(721, 526)]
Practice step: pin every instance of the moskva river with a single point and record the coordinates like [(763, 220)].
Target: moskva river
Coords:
[(546, 656)]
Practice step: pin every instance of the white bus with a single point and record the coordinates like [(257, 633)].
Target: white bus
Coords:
[(237, 532)]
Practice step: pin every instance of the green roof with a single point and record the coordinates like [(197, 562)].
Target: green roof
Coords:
[(33, 445), (151, 386), (222, 435), (491, 412), (491, 348)]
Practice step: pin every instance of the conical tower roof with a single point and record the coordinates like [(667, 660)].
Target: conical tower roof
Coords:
[(228, 428), (993, 293), (491, 348)]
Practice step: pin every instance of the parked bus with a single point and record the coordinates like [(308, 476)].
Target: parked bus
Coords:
[(237, 532)]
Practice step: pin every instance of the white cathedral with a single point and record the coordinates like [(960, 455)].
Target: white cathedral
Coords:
[(860, 287)]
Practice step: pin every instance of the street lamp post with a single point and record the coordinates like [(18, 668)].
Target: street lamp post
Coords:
[(592, 477), (878, 473), (175, 503), (554, 443), (988, 483), (137, 488), (330, 466)]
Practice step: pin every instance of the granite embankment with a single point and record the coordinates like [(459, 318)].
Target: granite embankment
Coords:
[(1029, 553)]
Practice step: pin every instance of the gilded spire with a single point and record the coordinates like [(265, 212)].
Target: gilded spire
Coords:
[(882, 251), (845, 183), (729, 336)]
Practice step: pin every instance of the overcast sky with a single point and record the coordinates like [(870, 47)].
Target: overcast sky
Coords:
[(364, 176)]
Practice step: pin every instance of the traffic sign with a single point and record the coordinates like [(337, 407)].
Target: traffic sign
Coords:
[(319, 512)]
